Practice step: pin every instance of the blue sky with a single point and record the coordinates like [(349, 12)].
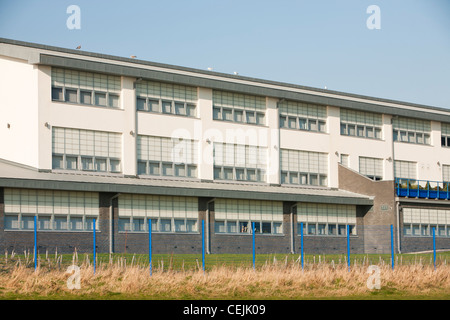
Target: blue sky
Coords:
[(312, 43)]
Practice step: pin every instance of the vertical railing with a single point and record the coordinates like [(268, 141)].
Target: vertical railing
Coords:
[(348, 247), (150, 262), (94, 244), (301, 244), (392, 246), (35, 242), (253, 246), (203, 245), (434, 247)]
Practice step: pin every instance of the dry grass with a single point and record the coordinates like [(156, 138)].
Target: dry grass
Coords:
[(268, 282)]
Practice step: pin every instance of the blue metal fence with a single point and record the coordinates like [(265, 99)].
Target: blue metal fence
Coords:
[(425, 189)]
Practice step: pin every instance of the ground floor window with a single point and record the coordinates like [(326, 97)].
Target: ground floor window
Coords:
[(236, 216), (326, 229), (133, 224), (419, 222)]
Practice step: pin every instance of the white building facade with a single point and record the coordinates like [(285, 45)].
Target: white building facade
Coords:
[(88, 136)]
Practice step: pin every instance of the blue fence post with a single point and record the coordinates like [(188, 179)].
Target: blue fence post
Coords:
[(35, 242), (253, 244), (94, 244), (392, 246), (434, 248), (150, 246), (301, 242), (203, 245), (348, 247)]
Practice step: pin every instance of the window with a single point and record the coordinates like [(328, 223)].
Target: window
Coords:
[(167, 213), (446, 173), (237, 216), (166, 98), (304, 167), (85, 88), (302, 116), (326, 219), (167, 156), (412, 130), (419, 222), (76, 149), (445, 134), (239, 162), (405, 169), (361, 124), (371, 167), (54, 210), (241, 108), (345, 160)]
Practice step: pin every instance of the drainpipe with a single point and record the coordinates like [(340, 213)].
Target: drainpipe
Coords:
[(397, 208), (111, 222), (292, 227), (208, 249)]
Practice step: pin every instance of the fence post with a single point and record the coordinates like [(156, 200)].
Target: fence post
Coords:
[(301, 242), (348, 247), (203, 245), (150, 245), (392, 246), (95, 251), (434, 248), (253, 244), (35, 242)]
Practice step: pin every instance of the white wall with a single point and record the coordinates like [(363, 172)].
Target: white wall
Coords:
[(19, 109)]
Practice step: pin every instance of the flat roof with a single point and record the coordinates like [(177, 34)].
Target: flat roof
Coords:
[(13, 175), (103, 63)]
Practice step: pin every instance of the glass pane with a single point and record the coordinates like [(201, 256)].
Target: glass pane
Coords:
[(227, 114), (100, 164), (28, 222), (251, 116), (166, 106), (138, 224), (240, 174), (57, 162), (71, 95), (140, 104), (154, 168), (260, 118), (87, 163), (124, 224), (277, 228), (243, 227), (167, 169), (321, 229), (191, 110), (219, 226), (302, 124), (153, 105), (180, 170), (57, 94), (115, 165), (44, 223), (217, 114), (71, 163), (238, 115), (165, 225), (292, 122), (113, 100), (142, 167), (312, 125), (342, 229), (218, 173), (100, 99), (311, 229), (191, 225), (266, 227), (86, 97), (192, 171), (11, 222), (180, 226), (89, 224), (332, 229), (180, 108), (228, 173), (232, 227), (60, 223), (76, 223)]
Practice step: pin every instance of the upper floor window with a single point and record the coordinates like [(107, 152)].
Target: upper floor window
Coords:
[(412, 130), (162, 156), (166, 98), (446, 173), (445, 134), (85, 88), (237, 107), (86, 150), (304, 167), (302, 116), (239, 162), (371, 167), (405, 169), (361, 124)]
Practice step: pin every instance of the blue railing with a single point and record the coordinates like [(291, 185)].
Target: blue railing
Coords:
[(425, 189)]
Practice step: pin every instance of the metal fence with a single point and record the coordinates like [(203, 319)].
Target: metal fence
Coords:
[(203, 251)]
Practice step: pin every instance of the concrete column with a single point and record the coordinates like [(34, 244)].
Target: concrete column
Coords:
[(334, 131), (129, 134), (273, 143), (204, 133)]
